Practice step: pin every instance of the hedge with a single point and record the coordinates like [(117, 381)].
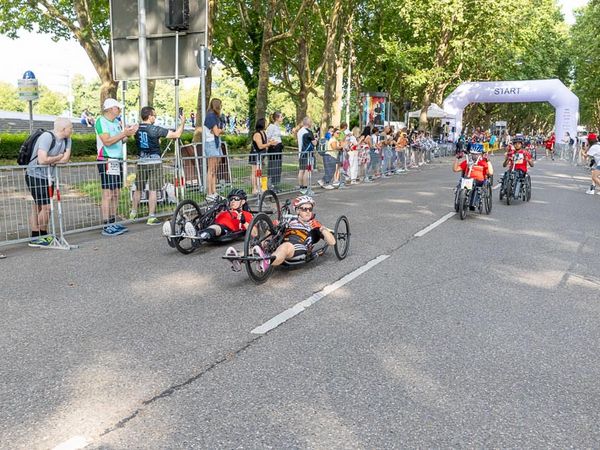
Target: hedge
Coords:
[(85, 144)]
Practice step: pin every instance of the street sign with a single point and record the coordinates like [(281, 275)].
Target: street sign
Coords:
[(28, 89), (160, 41)]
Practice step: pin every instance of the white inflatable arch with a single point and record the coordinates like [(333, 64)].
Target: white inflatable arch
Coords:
[(566, 104)]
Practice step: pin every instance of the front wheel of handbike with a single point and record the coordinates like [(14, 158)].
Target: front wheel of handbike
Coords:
[(269, 204), (341, 232), (259, 231), (462, 204)]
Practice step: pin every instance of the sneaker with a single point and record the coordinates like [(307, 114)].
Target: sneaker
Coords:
[(41, 242), (263, 265), (590, 191), (236, 264), (309, 191), (367, 180), (205, 236), (118, 226), (166, 229), (132, 215), (354, 182), (303, 191), (189, 229), (321, 183), (328, 187), (112, 230), (153, 221)]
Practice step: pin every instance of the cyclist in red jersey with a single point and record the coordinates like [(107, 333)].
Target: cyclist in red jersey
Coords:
[(478, 171), (520, 157), (235, 218)]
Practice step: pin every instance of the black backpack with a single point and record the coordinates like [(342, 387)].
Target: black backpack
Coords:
[(27, 147)]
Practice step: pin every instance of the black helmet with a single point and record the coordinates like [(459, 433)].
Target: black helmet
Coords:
[(518, 138), (237, 193)]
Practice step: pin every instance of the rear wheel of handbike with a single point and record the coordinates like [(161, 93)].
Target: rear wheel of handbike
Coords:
[(269, 204), (260, 229), (186, 211), (341, 232)]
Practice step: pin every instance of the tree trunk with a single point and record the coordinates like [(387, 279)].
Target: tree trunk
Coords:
[(151, 91), (330, 65), (262, 92), (339, 85), (301, 101), (423, 125)]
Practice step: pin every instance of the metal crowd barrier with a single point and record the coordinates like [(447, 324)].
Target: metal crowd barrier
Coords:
[(76, 189)]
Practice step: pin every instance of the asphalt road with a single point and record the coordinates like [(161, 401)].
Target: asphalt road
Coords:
[(481, 333)]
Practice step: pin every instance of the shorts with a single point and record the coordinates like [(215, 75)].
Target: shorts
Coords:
[(253, 158), (152, 174), (303, 160), (110, 182), (212, 150), (39, 190)]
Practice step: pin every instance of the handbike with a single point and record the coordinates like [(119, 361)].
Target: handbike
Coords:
[(202, 217), (265, 235)]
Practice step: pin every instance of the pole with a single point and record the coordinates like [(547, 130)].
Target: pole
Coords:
[(30, 116), (124, 123), (203, 55), (348, 87), (143, 63)]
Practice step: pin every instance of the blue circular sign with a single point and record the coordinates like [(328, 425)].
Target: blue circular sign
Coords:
[(29, 75)]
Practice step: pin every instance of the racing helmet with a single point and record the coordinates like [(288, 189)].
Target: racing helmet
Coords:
[(303, 200), (518, 138), (237, 193)]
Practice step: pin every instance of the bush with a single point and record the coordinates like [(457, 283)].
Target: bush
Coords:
[(85, 144)]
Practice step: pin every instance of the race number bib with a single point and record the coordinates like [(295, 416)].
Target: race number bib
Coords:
[(113, 167), (519, 158), (466, 183)]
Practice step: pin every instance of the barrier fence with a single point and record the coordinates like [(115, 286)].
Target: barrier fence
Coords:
[(76, 190)]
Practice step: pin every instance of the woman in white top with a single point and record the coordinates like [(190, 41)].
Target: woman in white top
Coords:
[(274, 135), (352, 143)]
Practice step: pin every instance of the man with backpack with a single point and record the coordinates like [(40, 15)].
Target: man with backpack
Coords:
[(45, 149)]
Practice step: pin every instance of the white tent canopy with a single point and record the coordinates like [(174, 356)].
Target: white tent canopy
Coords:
[(433, 112)]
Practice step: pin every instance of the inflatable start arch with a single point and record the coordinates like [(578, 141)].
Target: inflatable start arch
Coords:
[(566, 104)]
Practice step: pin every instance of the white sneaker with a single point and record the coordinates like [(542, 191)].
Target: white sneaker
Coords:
[(263, 265), (590, 191), (321, 183), (236, 264), (166, 229), (189, 229), (328, 187)]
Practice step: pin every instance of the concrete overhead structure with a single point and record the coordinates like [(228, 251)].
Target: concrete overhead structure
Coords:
[(566, 104)]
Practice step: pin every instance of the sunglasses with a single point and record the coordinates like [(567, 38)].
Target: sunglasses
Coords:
[(309, 209), (235, 199)]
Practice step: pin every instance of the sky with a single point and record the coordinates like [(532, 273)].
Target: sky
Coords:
[(54, 62)]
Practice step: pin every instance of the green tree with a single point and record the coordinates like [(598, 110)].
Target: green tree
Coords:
[(9, 98), (82, 20)]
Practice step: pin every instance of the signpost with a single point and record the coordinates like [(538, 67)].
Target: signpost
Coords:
[(29, 92)]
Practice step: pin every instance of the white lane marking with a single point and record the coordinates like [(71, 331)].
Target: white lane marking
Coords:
[(301, 306), (75, 443), (437, 223)]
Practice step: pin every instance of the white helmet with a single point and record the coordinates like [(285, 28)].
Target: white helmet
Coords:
[(303, 200)]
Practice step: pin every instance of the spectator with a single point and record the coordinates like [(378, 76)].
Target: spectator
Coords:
[(260, 144), (87, 118), (51, 148), (193, 119), (306, 146), (364, 150), (275, 151), (109, 142), (149, 168), (353, 155), (330, 158), (212, 131), (401, 147), (593, 153)]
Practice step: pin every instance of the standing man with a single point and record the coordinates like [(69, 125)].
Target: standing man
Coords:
[(306, 146), (109, 142), (51, 148), (149, 169), (593, 153)]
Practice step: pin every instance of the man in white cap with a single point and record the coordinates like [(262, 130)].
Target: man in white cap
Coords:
[(109, 142)]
